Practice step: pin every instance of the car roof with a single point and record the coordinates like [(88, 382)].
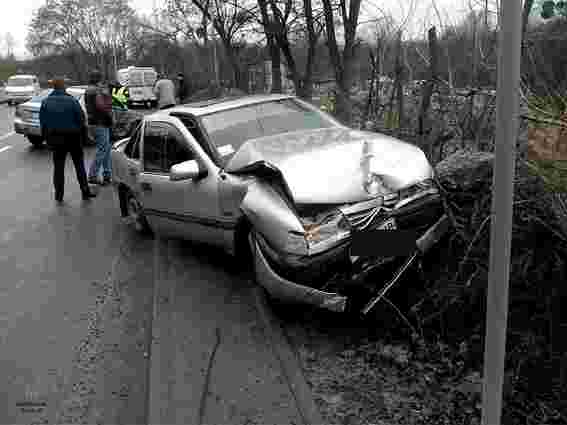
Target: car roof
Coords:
[(219, 104), (21, 76)]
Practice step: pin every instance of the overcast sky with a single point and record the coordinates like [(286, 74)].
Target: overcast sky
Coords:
[(17, 14)]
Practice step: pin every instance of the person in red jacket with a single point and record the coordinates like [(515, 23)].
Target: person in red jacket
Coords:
[(98, 101)]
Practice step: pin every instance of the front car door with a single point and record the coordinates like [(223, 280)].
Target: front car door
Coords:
[(187, 209)]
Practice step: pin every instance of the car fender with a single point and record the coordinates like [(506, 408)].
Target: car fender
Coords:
[(269, 214)]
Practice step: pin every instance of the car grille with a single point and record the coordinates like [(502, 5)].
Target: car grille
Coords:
[(420, 211)]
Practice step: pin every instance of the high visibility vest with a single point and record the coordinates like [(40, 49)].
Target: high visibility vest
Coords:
[(123, 93), (119, 98)]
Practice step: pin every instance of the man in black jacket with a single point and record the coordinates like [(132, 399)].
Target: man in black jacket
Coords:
[(182, 89), (101, 119), (62, 124)]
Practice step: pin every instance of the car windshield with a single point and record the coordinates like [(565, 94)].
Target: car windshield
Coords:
[(229, 129), (20, 82)]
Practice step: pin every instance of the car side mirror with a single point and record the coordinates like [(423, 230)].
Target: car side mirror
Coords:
[(185, 170)]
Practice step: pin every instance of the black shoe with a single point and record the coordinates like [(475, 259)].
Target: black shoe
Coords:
[(106, 181), (93, 180), (88, 195)]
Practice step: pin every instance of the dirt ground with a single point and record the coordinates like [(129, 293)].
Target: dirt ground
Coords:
[(368, 372)]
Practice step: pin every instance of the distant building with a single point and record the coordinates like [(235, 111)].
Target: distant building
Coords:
[(260, 78)]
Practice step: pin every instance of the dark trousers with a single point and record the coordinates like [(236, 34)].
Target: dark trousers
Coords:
[(60, 151)]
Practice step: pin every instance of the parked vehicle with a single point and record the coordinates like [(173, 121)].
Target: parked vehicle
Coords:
[(21, 88), (283, 185), (26, 120), (140, 82)]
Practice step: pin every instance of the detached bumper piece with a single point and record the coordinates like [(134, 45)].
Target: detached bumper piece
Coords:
[(284, 289), (423, 244)]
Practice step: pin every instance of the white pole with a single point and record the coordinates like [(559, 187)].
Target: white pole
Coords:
[(502, 206)]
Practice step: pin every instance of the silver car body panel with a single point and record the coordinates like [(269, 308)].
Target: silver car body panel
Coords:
[(331, 165), (187, 209), (281, 288), (269, 214), (266, 180)]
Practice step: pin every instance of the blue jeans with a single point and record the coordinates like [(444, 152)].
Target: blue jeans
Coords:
[(102, 157)]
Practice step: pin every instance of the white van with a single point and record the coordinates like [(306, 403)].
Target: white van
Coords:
[(140, 82), (21, 88)]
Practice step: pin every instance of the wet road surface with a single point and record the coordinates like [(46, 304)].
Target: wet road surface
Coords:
[(79, 305)]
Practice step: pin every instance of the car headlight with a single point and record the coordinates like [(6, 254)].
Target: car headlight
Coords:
[(319, 235)]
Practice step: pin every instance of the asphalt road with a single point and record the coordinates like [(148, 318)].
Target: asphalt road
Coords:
[(82, 296)]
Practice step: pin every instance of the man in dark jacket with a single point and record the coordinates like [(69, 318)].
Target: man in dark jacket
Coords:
[(182, 89), (62, 124), (100, 117)]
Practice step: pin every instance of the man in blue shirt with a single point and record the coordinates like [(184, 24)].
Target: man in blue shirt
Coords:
[(62, 125)]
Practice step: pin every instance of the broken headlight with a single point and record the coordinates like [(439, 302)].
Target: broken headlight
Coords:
[(321, 234)]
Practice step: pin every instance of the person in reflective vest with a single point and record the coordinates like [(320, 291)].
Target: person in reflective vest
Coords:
[(119, 96)]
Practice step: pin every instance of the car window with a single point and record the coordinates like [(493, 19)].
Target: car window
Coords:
[(234, 127), (176, 149), (154, 148)]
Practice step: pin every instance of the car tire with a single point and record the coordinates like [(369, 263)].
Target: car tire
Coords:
[(135, 213), (35, 140)]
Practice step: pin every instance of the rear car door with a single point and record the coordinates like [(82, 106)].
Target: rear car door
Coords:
[(186, 209)]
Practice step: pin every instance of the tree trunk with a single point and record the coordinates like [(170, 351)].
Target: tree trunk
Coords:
[(342, 64), (234, 64), (424, 125), (528, 4), (273, 48), (307, 83), (276, 67)]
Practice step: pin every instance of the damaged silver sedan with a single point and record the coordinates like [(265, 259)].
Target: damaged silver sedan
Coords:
[(319, 210)]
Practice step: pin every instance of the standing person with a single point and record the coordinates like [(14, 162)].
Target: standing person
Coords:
[(119, 95), (165, 92), (181, 87), (98, 101), (62, 124)]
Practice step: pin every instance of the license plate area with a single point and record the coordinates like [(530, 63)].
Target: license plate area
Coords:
[(389, 224)]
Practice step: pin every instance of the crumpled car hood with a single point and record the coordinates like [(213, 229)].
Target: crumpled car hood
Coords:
[(331, 165)]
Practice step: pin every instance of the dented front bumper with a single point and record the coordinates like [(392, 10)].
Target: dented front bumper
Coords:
[(284, 289)]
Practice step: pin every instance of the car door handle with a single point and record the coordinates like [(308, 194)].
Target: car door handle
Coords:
[(146, 187)]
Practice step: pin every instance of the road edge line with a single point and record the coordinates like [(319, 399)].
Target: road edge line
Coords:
[(289, 363)]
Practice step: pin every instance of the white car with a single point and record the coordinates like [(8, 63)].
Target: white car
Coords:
[(21, 88), (287, 189), (26, 120)]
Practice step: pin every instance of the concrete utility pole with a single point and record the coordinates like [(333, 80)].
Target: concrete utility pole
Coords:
[(509, 54)]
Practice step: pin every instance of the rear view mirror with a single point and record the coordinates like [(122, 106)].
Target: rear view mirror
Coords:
[(185, 170)]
